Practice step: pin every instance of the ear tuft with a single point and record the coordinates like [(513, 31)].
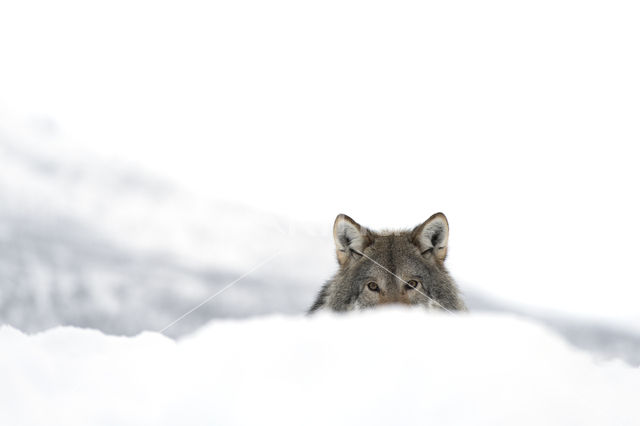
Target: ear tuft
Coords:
[(433, 236), (348, 235)]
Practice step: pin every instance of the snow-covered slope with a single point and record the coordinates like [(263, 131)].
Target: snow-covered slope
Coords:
[(385, 367), (95, 243)]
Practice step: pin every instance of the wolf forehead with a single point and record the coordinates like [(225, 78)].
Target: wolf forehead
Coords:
[(393, 250)]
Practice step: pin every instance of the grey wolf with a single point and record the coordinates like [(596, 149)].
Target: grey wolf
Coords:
[(378, 268)]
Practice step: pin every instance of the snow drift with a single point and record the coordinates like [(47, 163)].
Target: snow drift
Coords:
[(383, 367)]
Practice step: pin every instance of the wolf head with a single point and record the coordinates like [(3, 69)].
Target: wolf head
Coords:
[(378, 268)]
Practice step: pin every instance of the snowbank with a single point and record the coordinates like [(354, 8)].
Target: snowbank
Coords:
[(384, 367)]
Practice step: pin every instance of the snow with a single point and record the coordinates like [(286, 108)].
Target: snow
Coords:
[(152, 153), (384, 367)]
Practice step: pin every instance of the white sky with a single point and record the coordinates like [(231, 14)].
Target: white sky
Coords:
[(518, 120)]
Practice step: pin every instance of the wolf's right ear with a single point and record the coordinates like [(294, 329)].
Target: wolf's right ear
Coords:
[(349, 235)]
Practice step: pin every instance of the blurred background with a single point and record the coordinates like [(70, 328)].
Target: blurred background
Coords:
[(153, 152)]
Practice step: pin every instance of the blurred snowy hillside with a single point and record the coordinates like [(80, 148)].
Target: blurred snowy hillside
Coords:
[(91, 243)]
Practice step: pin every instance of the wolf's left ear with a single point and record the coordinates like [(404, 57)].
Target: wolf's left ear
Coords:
[(349, 235), (432, 236)]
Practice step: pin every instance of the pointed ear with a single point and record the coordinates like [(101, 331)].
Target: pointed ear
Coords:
[(348, 235), (432, 237)]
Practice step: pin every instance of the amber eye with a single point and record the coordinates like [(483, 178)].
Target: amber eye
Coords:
[(373, 286), (412, 285)]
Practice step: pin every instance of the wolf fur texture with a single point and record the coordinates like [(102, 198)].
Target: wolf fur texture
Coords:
[(378, 268)]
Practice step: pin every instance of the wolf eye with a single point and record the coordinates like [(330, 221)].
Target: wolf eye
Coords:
[(373, 286), (412, 285)]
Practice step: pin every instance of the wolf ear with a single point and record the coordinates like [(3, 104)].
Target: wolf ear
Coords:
[(349, 235), (432, 236)]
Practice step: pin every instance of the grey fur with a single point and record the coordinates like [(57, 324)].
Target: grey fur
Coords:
[(416, 255)]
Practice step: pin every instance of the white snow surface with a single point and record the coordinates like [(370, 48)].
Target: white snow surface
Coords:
[(389, 366)]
